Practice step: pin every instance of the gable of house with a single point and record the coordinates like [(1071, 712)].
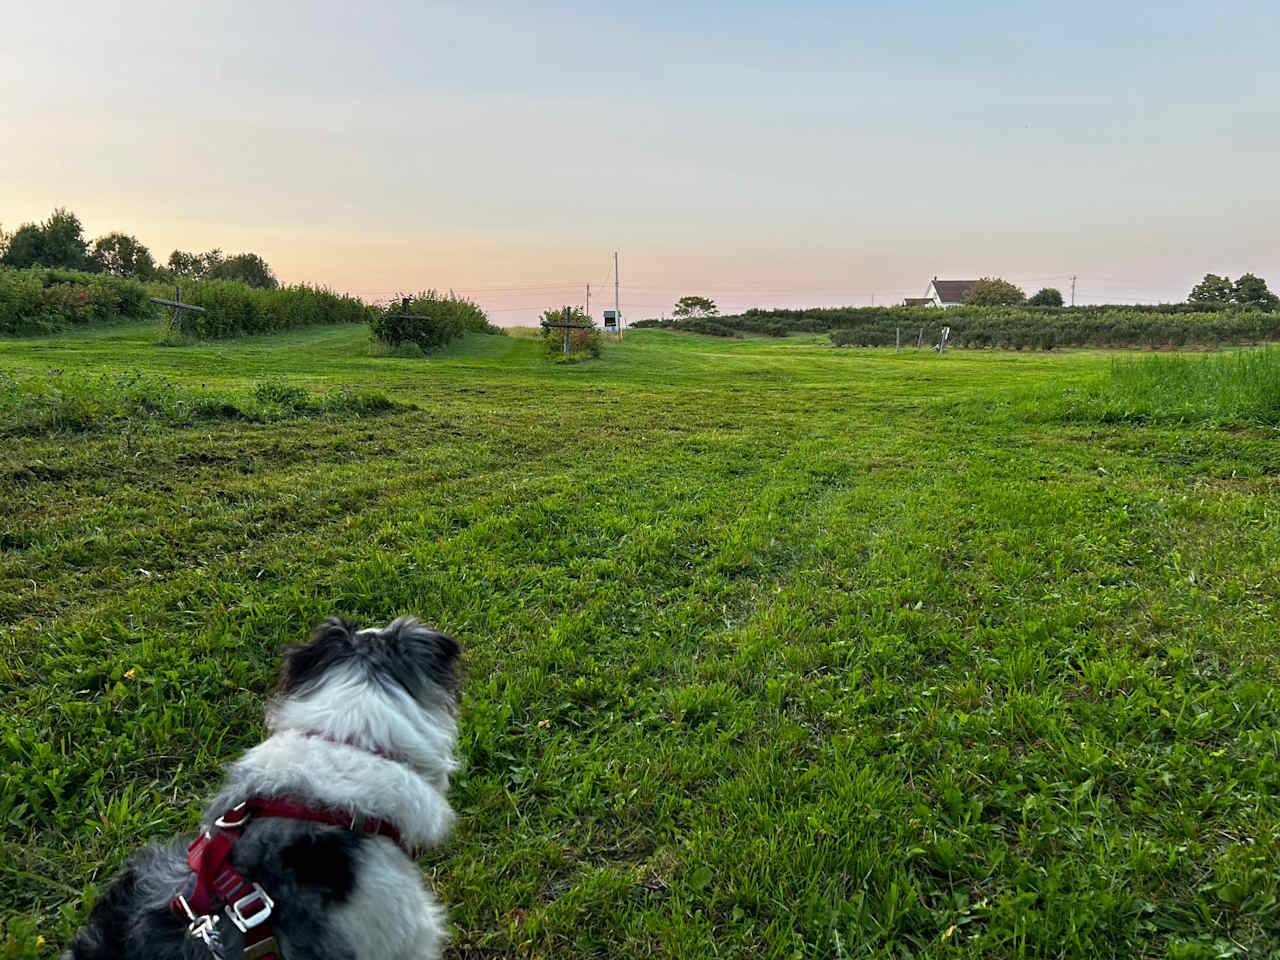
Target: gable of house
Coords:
[(948, 292)]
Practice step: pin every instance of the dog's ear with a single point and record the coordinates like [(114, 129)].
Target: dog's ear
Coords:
[(305, 664), (421, 657)]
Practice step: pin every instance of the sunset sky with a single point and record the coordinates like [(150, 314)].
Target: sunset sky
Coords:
[(761, 154)]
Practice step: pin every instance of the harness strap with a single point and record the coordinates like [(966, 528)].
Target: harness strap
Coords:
[(296, 810), (247, 905)]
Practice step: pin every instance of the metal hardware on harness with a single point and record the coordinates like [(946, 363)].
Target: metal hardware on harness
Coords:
[(205, 929), (222, 821), (181, 901), (236, 910)]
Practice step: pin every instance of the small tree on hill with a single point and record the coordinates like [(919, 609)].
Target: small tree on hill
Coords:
[(58, 242), (123, 256), (64, 243), (690, 307), (1046, 297), (1251, 291), (1213, 291), (195, 266), (994, 292), (24, 247), (246, 268)]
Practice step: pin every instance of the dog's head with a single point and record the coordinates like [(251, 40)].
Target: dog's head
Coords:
[(403, 655), (391, 690)]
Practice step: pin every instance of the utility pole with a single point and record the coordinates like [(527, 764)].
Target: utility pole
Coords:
[(588, 301), (617, 308), (1073, 289)]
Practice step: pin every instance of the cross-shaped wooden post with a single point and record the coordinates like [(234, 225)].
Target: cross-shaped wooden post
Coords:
[(178, 307)]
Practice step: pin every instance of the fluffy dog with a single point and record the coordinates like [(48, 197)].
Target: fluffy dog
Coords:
[(361, 737)]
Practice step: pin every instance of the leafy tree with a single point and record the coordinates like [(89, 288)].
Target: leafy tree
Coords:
[(196, 266), (689, 307), (64, 243), (1251, 291), (4, 243), (123, 256), (1213, 291), (1046, 297), (25, 246), (58, 242), (246, 268), (994, 292)]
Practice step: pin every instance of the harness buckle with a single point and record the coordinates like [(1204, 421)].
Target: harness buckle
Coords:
[(205, 929), (226, 819), (258, 897), (181, 901)]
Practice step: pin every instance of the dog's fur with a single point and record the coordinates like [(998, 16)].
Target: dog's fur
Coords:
[(363, 723)]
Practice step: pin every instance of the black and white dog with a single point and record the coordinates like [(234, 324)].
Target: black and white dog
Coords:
[(316, 822)]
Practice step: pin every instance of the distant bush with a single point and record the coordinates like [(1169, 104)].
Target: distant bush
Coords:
[(583, 342), (428, 321), (1045, 297), (233, 309), (711, 326), (39, 300), (994, 292)]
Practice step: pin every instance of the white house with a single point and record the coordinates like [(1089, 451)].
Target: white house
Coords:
[(947, 293)]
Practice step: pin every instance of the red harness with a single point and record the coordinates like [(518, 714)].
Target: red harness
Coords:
[(247, 904)]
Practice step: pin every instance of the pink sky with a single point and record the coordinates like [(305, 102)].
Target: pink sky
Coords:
[(801, 156)]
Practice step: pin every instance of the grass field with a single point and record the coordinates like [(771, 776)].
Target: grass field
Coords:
[(773, 650)]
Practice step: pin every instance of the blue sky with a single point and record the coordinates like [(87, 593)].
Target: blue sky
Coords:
[(761, 154)]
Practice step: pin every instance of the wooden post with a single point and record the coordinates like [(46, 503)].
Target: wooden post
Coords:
[(178, 307), (897, 338), (920, 339), (568, 318), (404, 304)]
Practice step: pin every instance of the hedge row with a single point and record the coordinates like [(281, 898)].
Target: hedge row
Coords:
[(1005, 327), (39, 300), (711, 326), (232, 308)]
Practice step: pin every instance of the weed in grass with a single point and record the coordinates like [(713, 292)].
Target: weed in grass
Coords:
[(1239, 388)]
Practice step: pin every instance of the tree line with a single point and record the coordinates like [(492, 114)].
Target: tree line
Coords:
[(59, 242), (1212, 293)]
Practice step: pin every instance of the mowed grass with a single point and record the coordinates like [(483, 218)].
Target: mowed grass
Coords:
[(772, 650)]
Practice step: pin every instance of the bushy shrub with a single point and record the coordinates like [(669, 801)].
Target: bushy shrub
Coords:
[(583, 342), (232, 309), (428, 321), (39, 300)]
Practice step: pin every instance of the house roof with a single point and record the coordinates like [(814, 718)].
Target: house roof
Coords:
[(952, 291), (917, 301)]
